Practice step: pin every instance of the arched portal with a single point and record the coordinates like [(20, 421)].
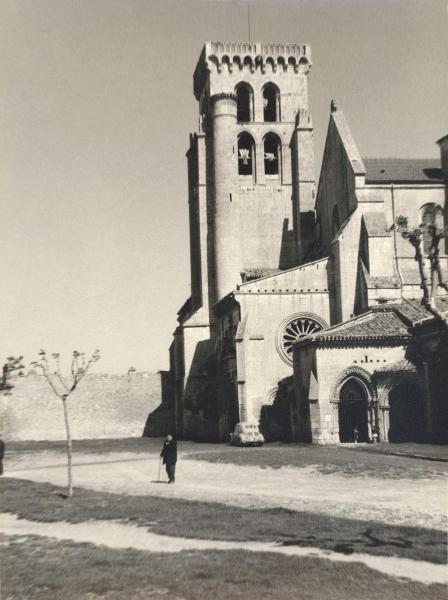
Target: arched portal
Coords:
[(353, 412)]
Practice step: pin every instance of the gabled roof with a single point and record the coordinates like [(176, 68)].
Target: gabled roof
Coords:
[(348, 142), (389, 323), (403, 170), (372, 325)]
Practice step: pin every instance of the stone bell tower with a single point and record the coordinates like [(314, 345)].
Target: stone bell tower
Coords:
[(251, 165)]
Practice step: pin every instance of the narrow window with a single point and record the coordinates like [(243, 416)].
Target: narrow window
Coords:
[(271, 154), (245, 154), (271, 103), (244, 103), (432, 216)]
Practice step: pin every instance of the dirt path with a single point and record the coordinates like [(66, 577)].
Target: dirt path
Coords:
[(414, 502), (121, 536)]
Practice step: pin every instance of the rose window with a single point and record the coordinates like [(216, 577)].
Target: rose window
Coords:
[(293, 329)]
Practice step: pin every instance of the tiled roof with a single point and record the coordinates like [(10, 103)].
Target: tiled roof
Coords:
[(413, 311), (258, 273), (403, 170), (375, 324), (387, 322)]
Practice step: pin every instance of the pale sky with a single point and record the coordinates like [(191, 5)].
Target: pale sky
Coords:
[(96, 106)]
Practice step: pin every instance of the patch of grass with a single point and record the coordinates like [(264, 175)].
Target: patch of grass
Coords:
[(183, 518), (370, 460), (42, 569), (357, 461), (105, 446), (430, 451)]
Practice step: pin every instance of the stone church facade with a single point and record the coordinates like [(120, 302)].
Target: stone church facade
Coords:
[(278, 259)]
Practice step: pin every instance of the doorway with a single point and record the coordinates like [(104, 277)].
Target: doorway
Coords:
[(353, 412)]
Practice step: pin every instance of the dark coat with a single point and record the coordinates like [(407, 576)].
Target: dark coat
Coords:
[(169, 452), (2, 452)]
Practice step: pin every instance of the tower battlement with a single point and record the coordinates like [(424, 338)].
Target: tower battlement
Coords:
[(236, 56)]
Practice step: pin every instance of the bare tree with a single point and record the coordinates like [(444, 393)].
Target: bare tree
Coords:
[(64, 387), (12, 363), (433, 281)]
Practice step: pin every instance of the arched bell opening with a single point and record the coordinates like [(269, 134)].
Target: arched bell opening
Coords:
[(244, 103), (271, 103), (272, 155), (246, 154)]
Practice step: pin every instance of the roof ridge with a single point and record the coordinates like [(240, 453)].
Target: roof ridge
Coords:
[(282, 271)]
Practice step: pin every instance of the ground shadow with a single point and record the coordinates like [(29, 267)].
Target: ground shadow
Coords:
[(367, 539)]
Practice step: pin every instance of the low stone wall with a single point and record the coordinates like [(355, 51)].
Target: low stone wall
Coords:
[(104, 406)]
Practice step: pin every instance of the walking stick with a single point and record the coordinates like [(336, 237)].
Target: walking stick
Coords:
[(160, 466)]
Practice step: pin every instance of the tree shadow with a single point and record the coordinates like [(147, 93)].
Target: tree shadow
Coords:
[(275, 418), (366, 541)]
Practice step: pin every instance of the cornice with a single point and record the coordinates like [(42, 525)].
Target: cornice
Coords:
[(224, 96)]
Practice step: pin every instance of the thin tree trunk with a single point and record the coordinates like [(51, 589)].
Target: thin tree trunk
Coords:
[(436, 278), (423, 277), (442, 283), (434, 261), (69, 449)]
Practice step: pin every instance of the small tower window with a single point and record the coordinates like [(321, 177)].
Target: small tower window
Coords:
[(271, 104), (246, 154), (244, 103), (271, 154), (432, 215)]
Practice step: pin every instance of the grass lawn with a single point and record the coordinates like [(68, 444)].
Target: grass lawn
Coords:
[(366, 460), (104, 446), (39, 569), (327, 459), (41, 502)]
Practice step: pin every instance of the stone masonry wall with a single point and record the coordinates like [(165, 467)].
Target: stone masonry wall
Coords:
[(104, 406)]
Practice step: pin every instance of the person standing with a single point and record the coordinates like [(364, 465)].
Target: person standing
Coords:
[(169, 456), (2, 453)]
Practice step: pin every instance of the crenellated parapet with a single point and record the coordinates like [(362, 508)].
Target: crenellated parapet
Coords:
[(236, 56)]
